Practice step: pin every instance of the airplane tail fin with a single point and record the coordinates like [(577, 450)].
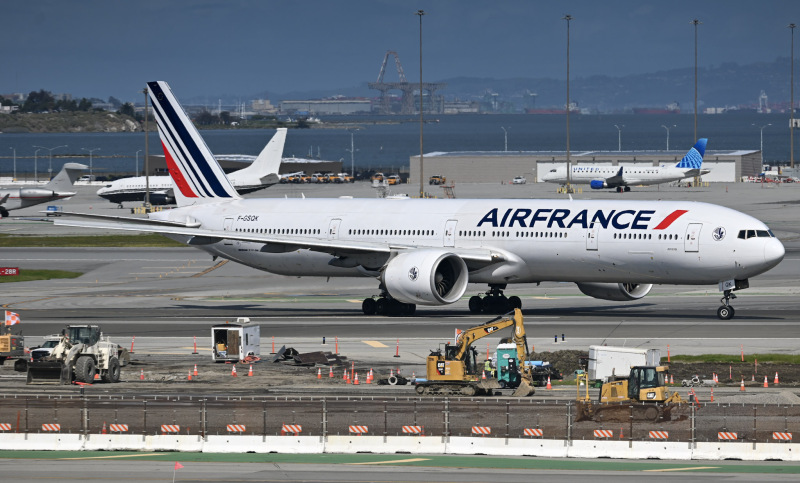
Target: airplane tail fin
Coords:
[(268, 161), (65, 178), (197, 176), (694, 158)]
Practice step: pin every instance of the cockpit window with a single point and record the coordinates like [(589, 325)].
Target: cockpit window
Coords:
[(745, 234)]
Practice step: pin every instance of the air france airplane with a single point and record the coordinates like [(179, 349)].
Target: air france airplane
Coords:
[(426, 251), (58, 188), (262, 173), (622, 177)]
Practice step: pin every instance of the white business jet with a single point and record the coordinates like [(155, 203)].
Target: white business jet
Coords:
[(59, 188), (425, 251)]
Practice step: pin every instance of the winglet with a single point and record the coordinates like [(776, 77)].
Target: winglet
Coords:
[(694, 158)]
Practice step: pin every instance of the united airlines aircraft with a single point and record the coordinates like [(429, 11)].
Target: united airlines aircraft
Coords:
[(262, 173), (623, 177), (426, 251)]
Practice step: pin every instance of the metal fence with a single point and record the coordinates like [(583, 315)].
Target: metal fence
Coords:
[(324, 416)]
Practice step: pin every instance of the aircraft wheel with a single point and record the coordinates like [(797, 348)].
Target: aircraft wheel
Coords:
[(475, 304), (381, 306), (515, 302), (725, 312), (410, 309), (3, 213), (369, 306), (627, 189)]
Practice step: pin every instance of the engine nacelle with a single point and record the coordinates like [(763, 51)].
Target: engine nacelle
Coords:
[(619, 292), (426, 277), (160, 199), (35, 193), (598, 184)]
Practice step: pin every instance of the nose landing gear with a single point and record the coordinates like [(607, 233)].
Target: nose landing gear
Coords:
[(726, 311)]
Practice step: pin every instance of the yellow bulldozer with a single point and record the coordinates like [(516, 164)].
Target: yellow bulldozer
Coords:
[(643, 394), (455, 369)]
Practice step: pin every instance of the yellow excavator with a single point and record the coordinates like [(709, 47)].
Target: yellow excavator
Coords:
[(455, 369), (643, 394)]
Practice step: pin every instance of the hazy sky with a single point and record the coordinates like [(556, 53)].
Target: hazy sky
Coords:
[(102, 48)]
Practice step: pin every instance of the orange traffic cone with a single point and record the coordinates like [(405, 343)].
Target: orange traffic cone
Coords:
[(765, 382), (413, 376), (355, 381), (549, 386), (250, 372), (104, 429), (330, 373), (483, 375), (776, 379), (391, 372), (344, 377), (96, 376), (189, 376), (233, 370), (712, 394), (141, 375), (741, 387), (195, 370), (319, 373), (753, 378), (671, 379)]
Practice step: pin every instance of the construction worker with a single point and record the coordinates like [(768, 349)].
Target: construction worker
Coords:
[(487, 368)]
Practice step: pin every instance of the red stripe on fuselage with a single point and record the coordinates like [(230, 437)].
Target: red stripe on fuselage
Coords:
[(670, 219), (177, 176)]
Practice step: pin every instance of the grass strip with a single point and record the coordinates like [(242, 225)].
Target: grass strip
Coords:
[(32, 275), (121, 241), (737, 358)]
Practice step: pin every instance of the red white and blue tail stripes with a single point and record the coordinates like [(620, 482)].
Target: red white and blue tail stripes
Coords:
[(197, 175)]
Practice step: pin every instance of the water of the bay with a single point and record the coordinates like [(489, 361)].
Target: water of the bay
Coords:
[(388, 142)]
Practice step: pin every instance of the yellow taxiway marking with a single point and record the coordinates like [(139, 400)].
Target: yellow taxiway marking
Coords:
[(107, 457), (354, 301), (689, 469), (373, 343), (411, 460)]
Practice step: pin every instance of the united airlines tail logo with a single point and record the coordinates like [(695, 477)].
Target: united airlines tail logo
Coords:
[(694, 158)]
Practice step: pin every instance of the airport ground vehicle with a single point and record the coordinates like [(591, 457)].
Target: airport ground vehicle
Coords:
[(643, 395), (81, 353), (519, 180), (377, 177), (11, 346), (455, 370), (44, 350), (393, 179), (437, 179)]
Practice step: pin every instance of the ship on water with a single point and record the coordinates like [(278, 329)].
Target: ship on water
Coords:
[(671, 108)]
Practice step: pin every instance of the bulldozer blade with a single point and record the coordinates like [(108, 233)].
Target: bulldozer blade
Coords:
[(48, 373), (524, 390)]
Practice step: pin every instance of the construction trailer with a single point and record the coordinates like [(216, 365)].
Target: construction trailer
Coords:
[(235, 342), (607, 363)]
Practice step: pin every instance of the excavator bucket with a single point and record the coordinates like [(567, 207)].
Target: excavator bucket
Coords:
[(524, 389), (48, 373)]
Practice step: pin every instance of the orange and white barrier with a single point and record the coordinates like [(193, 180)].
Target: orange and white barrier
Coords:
[(603, 433), (5, 426), (359, 430), (726, 436), (418, 430), (118, 428), (533, 432), (482, 430), (294, 429), (236, 428), (658, 434), (51, 427), (782, 436), (170, 428)]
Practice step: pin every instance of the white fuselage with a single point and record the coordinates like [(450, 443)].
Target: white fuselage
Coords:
[(631, 175), (656, 242)]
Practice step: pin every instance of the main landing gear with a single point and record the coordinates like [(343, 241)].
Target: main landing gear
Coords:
[(620, 189), (386, 305), (725, 312), (494, 302)]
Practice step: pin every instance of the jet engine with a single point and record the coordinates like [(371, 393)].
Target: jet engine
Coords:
[(426, 277), (35, 193), (598, 184), (161, 198), (615, 291)]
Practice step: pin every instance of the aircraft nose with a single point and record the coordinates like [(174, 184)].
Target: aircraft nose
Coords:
[(774, 252)]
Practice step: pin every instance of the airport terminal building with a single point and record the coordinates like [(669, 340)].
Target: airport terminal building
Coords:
[(502, 166)]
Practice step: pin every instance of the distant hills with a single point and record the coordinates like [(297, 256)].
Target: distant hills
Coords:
[(727, 84)]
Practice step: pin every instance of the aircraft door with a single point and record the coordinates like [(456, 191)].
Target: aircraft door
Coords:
[(591, 238), (228, 226), (450, 233), (692, 241), (333, 229)]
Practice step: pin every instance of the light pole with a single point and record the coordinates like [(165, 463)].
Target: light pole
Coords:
[(667, 128), (791, 27), (762, 141), (15, 163), (352, 155), (91, 178), (137, 162), (568, 18), (619, 136), (695, 22), (50, 168), (36, 166), (505, 136), (420, 13)]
